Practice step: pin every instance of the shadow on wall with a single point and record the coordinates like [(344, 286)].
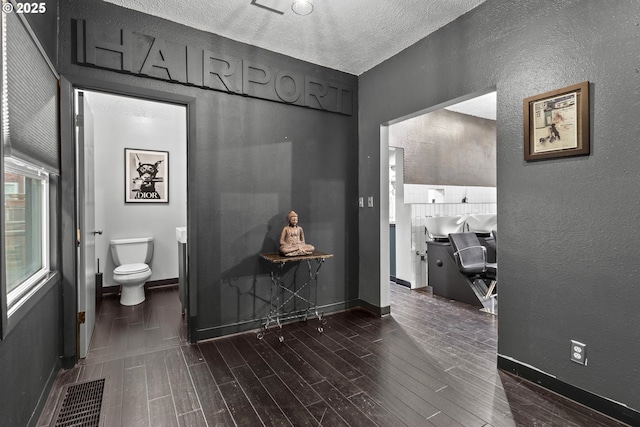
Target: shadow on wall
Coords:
[(248, 280)]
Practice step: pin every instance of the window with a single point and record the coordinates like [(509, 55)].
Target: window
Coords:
[(26, 241), (30, 168)]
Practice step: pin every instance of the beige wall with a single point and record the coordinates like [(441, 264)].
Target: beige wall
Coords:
[(447, 148)]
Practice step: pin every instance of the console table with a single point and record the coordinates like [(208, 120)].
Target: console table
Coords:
[(282, 292)]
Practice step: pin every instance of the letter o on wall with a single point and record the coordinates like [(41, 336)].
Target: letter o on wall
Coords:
[(287, 87)]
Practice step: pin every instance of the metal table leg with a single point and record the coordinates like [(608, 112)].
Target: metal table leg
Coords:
[(281, 295)]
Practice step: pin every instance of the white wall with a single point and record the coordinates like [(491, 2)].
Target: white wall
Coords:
[(122, 122), (453, 195), (404, 267)]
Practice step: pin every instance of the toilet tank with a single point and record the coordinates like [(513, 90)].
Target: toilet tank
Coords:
[(131, 251)]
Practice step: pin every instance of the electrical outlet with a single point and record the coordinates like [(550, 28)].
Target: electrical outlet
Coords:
[(578, 352)]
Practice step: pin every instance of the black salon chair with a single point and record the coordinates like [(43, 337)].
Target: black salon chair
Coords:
[(471, 259)]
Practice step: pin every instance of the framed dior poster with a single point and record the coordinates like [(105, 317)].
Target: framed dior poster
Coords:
[(146, 176)]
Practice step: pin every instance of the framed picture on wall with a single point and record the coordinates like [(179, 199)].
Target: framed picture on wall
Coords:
[(146, 177), (556, 123)]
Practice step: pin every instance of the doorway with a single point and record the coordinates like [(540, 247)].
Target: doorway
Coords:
[(111, 126), (442, 174)]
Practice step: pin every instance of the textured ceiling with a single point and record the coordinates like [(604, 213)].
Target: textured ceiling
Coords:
[(347, 35)]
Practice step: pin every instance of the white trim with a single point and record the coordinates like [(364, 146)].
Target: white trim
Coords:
[(20, 294)]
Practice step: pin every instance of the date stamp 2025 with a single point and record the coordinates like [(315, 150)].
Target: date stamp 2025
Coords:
[(25, 8)]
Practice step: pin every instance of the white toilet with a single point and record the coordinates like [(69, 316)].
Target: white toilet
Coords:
[(132, 257)]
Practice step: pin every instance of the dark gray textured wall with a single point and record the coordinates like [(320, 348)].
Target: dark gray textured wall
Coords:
[(447, 148), (29, 358), (568, 227), (251, 162)]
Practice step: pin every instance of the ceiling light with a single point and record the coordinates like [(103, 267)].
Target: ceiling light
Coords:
[(302, 7)]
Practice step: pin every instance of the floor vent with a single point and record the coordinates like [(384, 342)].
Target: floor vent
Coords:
[(80, 405)]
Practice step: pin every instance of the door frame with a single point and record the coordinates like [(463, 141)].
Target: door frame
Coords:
[(69, 200), (384, 145)]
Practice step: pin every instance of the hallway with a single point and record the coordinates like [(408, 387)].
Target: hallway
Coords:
[(431, 363)]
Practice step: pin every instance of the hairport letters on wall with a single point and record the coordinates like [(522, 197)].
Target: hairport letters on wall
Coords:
[(106, 46)]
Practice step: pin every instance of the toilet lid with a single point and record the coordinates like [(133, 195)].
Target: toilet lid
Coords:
[(131, 268)]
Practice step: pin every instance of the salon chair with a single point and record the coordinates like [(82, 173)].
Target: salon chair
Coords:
[(471, 259)]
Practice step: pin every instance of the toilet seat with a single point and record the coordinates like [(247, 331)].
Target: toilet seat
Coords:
[(131, 268)]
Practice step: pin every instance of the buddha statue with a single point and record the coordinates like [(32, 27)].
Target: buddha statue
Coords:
[(292, 238)]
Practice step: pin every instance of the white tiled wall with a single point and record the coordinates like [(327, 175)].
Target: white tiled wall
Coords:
[(414, 193), (479, 200)]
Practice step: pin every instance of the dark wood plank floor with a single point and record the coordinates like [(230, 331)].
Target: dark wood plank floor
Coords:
[(431, 363)]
